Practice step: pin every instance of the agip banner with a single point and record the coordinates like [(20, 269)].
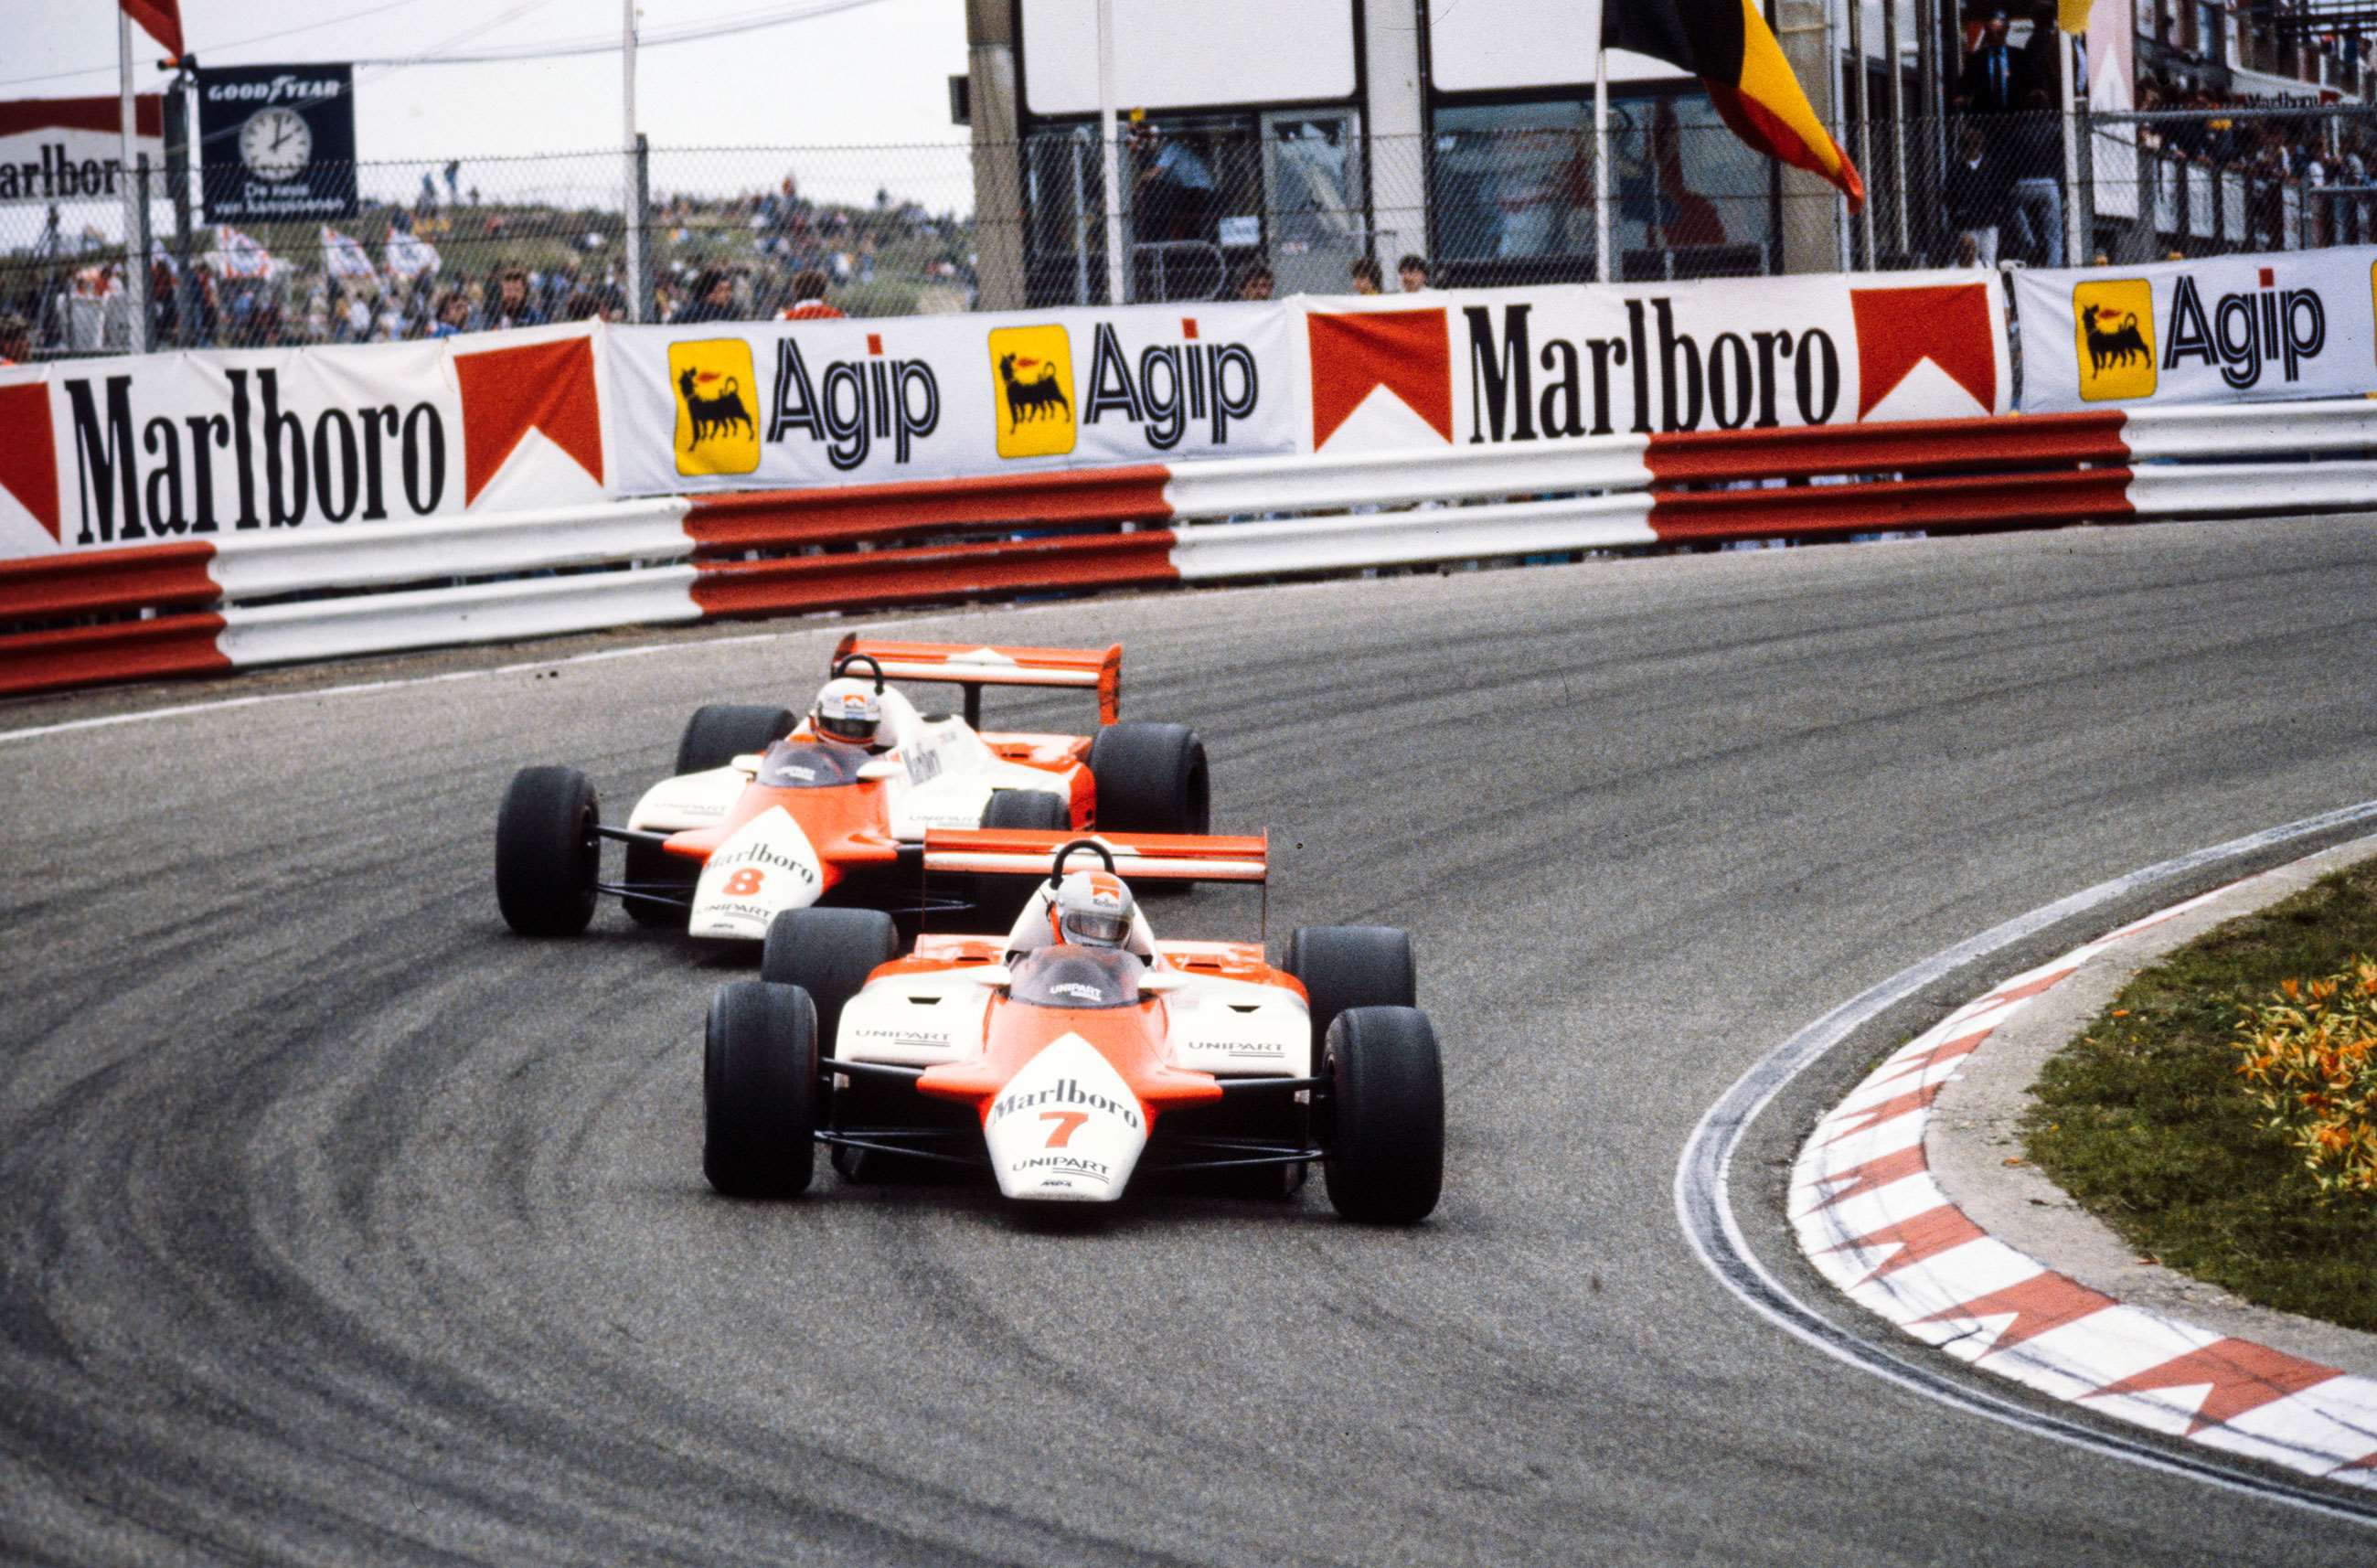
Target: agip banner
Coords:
[(731, 405), (104, 453), (2224, 328), (1498, 367)]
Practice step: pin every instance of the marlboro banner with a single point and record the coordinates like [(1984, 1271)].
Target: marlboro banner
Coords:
[(66, 148), (98, 454), (2221, 328)]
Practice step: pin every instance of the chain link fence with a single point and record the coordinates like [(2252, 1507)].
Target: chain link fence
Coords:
[(1493, 196)]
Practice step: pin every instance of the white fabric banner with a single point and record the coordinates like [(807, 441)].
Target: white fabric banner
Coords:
[(1492, 366), (170, 448), (742, 405), (2224, 328)]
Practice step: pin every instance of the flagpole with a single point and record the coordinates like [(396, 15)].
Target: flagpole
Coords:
[(136, 264), (1601, 161), (2071, 152), (1110, 164), (630, 205)]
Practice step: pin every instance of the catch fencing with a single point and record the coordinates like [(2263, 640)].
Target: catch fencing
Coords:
[(1493, 196)]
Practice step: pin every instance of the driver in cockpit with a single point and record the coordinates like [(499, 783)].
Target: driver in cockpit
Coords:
[(1091, 909), (848, 713)]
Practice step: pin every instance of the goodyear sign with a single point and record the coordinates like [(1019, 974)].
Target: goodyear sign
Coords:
[(2296, 324)]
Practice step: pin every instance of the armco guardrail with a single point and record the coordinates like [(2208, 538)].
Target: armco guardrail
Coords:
[(261, 599)]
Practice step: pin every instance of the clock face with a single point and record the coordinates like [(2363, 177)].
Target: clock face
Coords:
[(275, 144)]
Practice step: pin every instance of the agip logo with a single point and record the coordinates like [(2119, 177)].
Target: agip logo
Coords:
[(2115, 336), (1032, 370), (716, 432)]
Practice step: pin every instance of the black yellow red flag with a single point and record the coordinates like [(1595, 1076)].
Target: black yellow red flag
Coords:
[(1728, 44)]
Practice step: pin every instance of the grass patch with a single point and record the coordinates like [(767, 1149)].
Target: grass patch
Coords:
[(2146, 1121)]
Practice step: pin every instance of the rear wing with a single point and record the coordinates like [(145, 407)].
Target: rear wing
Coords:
[(1178, 858), (977, 666)]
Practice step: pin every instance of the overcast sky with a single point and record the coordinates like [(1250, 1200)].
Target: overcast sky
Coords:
[(878, 74)]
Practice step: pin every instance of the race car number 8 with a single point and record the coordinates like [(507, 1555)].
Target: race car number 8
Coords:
[(745, 882)]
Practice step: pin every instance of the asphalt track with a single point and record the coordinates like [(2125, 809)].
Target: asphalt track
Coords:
[(336, 1224)]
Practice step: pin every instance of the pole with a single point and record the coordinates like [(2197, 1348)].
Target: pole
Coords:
[(1110, 167), (1864, 100), (1078, 144), (1601, 163), (2071, 153), (136, 260), (177, 182), (1889, 47), (633, 197)]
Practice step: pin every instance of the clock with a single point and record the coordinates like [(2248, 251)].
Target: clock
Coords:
[(275, 144)]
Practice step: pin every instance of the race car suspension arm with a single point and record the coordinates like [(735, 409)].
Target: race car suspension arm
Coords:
[(898, 1140)]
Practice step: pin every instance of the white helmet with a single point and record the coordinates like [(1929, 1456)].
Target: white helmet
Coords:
[(1091, 909), (847, 711)]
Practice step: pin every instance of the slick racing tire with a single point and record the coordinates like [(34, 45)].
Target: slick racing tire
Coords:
[(719, 732), (651, 867), (1345, 966), (1384, 1128), (547, 856), (759, 1091), (1151, 779), (829, 953), (998, 899)]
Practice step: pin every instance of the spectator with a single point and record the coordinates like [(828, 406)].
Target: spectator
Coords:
[(1367, 280), (1968, 253), (1975, 194), (15, 340), (513, 307), (1993, 81), (713, 299), (2036, 142), (453, 315), (1173, 192), (809, 298), (1254, 281), (1411, 272)]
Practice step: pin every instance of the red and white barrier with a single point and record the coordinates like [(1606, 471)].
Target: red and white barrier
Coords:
[(269, 597)]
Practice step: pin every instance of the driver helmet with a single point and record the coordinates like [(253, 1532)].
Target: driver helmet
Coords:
[(847, 711), (1091, 909)]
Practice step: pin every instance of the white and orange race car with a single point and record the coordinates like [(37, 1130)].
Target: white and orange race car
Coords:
[(763, 814), (1064, 1071)]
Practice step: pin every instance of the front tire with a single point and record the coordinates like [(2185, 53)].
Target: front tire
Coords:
[(547, 854), (827, 954), (759, 1091), (1385, 1134), (1151, 779), (719, 732)]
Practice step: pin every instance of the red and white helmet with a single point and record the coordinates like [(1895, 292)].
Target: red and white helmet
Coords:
[(1091, 909), (847, 711)]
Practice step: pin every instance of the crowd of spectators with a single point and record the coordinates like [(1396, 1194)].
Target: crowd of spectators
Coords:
[(474, 265)]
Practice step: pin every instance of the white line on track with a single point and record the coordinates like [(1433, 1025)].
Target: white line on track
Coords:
[(1705, 1199)]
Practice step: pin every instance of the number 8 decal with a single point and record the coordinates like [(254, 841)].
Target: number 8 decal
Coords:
[(745, 882)]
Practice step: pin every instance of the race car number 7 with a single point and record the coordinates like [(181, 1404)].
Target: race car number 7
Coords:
[(1065, 1121)]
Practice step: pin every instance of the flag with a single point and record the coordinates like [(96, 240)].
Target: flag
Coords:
[(160, 19), (237, 256), (1728, 44), (410, 256), (343, 257)]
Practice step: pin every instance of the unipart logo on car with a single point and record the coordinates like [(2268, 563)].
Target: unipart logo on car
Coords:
[(1069, 1165), (1064, 1092), (1075, 989)]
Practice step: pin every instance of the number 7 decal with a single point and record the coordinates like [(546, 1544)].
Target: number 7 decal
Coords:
[(1066, 1121)]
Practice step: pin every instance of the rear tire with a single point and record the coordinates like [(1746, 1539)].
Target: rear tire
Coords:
[(998, 899), (547, 856), (1345, 966), (759, 1091), (1385, 1135), (1151, 779), (829, 953), (719, 732), (650, 865)]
